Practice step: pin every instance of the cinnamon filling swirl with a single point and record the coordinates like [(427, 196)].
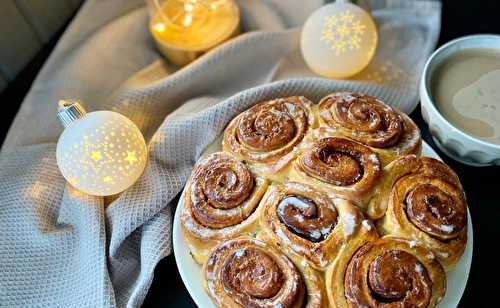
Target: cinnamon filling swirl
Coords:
[(437, 211), (398, 276), (306, 219), (253, 274), (340, 162), (395, 278), (376, 124), (269, 130), (220, 185)]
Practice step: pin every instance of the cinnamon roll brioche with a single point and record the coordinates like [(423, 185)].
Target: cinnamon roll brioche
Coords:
[(313, 279), (278, 217), (389, 272), (308, 224), (368, 120), (338, 165), (220, 202), (425, 202), (247, 272), (266, 135)]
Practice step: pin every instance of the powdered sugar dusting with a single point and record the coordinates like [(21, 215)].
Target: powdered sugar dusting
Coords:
[(315, 234), (326, 230), (366, 224), (210, 262), (444, 254), (373, 158), (299, 218), (349, 224), (418, 268), (282, 236), (239, 253), (446, 228)]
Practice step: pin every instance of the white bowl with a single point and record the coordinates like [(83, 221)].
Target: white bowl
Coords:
[(454, 142)]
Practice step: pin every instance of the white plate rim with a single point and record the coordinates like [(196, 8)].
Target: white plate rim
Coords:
[(191, 274)]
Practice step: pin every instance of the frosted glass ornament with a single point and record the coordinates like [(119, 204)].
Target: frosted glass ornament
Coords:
[(101, 153), (338, 40)]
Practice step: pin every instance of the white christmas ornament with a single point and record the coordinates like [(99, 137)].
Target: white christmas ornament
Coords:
[(101, 153), (338, 40)]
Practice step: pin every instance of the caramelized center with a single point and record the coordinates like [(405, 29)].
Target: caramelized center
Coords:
[(307, 219), (252, 272)]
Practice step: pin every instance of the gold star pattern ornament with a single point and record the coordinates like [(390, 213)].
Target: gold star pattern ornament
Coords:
[(339, 40), (100, 153)]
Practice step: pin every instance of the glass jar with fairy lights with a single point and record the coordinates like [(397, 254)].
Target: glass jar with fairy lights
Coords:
[(185, 29)]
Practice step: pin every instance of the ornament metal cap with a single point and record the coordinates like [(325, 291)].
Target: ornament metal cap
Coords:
[(69, 111)]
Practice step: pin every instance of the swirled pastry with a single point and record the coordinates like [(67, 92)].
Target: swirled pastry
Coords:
[(220, 202), (338, 165), (425, 202), (266, 135), (246, 272), (302, 242), (315, 285), (308, 224), (368, 120), (389, 272)]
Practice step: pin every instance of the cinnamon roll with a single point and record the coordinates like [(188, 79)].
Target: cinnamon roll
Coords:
[(426, 203), (303, 241), (368, 120), (247, 272), (308, 224), (266, 135), (220, 202), (315, 285), (389, 272), (338, 165)]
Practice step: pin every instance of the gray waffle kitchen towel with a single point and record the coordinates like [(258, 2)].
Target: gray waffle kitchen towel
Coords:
[(61, 248)]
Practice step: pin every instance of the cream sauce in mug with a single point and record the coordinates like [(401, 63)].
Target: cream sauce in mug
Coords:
[(466, 90)]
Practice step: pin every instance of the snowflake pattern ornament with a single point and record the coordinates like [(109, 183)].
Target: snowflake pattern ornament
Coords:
[(100, 153), (339, 40), (343, 32)]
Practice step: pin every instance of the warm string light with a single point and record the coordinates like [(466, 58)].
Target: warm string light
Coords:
[(183, 29)]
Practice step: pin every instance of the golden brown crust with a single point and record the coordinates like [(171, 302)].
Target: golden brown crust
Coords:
[(313, 279), (220, 202), (246, 272), (315, 287), (307, 223), (266, 135), (314, 249), (338, 165), (425, 202), (335, 273), (370, 121), (389, 272)]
